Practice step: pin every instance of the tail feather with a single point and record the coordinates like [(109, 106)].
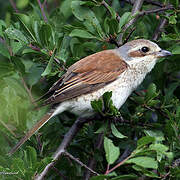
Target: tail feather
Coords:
[(35, 128)]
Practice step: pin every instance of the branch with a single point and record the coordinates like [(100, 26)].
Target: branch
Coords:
[(42, 11), (142, 13), (35, 48), (155, 3), (159, 28), (28, 91), (64, 144), (13, 4), (136, 7), (80, 163)]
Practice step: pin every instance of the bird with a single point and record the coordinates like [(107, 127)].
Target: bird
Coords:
[(118, 70)]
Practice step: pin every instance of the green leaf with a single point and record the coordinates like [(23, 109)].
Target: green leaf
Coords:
[(36, 27), (63, 52), (82, 34), (97, 105), (16, 46), (106, 25), (45, 33), (172, 19), (159, 147), (90, 46), (4, 50), (170, 37), (22, 3), (48, 69), (34, 74), (153, 102), (85, 14), (113, 26), (110, 109), (103, 128), (6, 69), (112, 152), (170, 90), (139, 99), (143, 161), (100, 177), (144, 141), (79, 11), (18, 165), (19, 66), (66, 8), (151, 92), (116, 133), (124, 19), (26, 22), (30, 156), (158, 135), (145, 171), (2, 26), (16, 34), (112, 11), (107, 99), (128, 177), (176, 50)]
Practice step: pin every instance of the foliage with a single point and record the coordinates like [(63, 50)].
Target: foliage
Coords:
[(35, 50)]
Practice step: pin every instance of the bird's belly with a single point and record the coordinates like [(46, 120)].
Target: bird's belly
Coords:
[(82, 105)]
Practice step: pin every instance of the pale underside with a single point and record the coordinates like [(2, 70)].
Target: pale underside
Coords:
[(121, 88)]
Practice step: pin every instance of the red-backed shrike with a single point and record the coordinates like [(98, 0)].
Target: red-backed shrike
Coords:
[(118, 70)]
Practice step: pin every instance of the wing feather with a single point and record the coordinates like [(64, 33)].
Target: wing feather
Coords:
[(87, 75)]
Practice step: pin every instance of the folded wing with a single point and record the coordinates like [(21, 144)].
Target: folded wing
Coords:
[(87, 75)]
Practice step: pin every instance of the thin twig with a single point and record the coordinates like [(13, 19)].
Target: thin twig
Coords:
[(136, 8), (92, 161), (35, 48), (65, 142), (129, 35), (142, 13), (13, 4), (80, 163), (42, 11), (44, 3), (5, 125), (119, 164), (106, 6), (28, 91), (156, 3), (59, 173), (125, 154), (154, 108), (159, 28)]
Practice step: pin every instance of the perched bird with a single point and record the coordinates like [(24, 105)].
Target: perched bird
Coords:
[(118, 70)]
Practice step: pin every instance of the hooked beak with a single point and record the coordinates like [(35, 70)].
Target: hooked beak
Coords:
[(164, 53)]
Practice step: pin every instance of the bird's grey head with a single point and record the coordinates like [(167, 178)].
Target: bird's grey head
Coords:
[(140, 49)]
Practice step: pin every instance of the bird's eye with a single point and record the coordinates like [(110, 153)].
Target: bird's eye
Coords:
[(145, 49)]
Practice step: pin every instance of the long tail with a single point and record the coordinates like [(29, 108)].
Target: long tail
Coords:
[(35, 128)]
